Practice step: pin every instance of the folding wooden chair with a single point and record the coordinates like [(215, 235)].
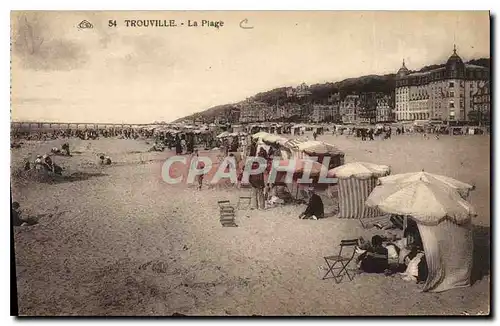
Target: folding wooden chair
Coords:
[(244, 202), (340, 262)]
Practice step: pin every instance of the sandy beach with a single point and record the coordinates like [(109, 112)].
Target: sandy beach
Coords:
[(118, 240)]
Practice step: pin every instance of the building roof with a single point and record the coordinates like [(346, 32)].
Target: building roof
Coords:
[(468, 65), (454, 61), (403, 71)]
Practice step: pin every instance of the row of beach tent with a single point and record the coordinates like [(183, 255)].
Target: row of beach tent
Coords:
[(438, 204)]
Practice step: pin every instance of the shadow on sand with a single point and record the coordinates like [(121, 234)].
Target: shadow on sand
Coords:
[(481, 253), (48, 177), (77, 176)]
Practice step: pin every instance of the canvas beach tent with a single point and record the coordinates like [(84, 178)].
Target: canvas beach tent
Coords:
[(444, 222), (312, 148), (355, 183)]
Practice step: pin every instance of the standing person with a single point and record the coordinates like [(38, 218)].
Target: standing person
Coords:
[(178, 146), (258, 185), (253, 148), (183, 145), (199, 165), (315, 135)]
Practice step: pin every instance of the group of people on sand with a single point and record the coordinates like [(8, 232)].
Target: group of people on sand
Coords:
[(64, 150), (271, 195), (389, 256), (183, 145), (43, 163)]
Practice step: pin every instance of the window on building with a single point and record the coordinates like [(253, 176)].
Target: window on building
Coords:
[(452, 84), (452, 94), (452, 104)]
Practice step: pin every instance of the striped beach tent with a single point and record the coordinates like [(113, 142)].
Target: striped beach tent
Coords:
[(292, 145), (355, 183)]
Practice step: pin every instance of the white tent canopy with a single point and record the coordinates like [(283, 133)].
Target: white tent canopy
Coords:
[(360, 170), (259, 135)]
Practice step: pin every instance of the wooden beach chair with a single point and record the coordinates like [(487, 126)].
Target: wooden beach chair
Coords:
[(227, 213), (244, 202), (337, 264)]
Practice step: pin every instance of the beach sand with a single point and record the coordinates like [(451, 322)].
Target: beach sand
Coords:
[(120, 241)]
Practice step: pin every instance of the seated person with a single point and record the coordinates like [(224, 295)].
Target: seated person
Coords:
[(105, 160), (65, 149), (315, 208), (38, 162), (375, 258), (47, 163), (416, 269), (157, 147), (412, 235), (274, 195), (17, 219), (281, 191)]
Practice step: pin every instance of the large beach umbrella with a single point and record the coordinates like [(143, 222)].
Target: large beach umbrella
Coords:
[(427, 202), (359, 170), (462, 187)]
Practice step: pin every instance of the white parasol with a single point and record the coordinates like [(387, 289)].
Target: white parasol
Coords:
[(426, 202)]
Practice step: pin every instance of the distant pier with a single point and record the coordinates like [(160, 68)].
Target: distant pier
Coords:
[(48, 126)]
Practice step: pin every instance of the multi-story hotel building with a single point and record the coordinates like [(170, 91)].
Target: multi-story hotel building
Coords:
[(349, 108), (481, 101), (385, 106), (444, 93)]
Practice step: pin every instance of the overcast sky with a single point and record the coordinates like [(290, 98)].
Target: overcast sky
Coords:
[(138, 75)]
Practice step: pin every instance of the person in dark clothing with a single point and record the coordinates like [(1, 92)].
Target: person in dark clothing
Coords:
[(178, 146), (258, 184), (413, 235), (65, 149), (370, 134), (17, 220), (270, 153), (263, 153), (315, 208), (375, 259)]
